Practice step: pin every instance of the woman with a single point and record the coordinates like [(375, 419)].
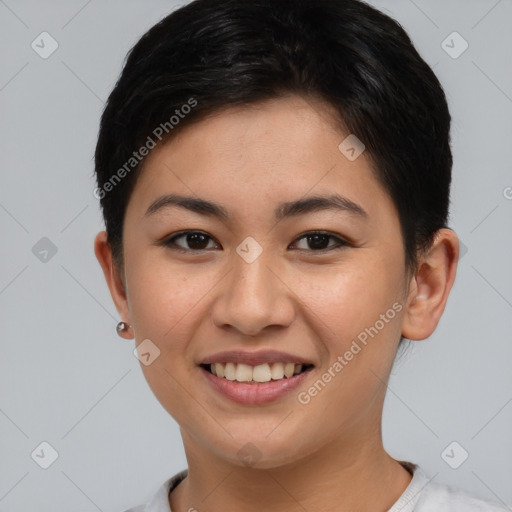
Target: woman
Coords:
[(274, 178)]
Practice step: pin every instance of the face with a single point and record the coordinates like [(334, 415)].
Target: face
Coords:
[(266, 284)]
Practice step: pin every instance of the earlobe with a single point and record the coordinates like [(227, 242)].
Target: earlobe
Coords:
[(430, 286), (114, 281)]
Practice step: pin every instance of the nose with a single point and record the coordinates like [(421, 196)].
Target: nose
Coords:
[(253, 297)]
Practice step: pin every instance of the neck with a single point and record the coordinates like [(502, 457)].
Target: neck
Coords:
[(362, 476)]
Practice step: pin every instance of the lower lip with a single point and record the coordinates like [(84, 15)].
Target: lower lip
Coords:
[(254, 394)]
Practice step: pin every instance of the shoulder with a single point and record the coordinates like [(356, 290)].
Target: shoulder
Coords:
[(437, 496), (159, 502), (425, 495)]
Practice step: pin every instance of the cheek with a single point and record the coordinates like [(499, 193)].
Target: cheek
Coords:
[(350, 298), (164, 297), (166, 305), (357, 325)]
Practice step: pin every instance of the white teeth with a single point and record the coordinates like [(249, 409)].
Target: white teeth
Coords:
[(288, 369), (229, 371), (277, 371), (243, 372), (219, 370), (261, 373)]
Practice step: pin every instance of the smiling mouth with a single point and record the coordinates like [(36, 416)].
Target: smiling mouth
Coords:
[(258, 374)]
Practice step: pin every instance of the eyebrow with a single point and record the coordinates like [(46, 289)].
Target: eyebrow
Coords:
[(289, 209)]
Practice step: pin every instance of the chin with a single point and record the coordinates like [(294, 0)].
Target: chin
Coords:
[(260, 452)]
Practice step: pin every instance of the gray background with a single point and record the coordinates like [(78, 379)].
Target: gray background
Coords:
[(65, 376)]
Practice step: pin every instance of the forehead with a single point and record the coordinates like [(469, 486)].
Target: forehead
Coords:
[(257, 157)]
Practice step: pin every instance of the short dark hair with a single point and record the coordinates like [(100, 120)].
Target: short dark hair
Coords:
[(213, 54)]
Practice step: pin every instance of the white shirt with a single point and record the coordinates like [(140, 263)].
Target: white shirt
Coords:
[(421, 495)]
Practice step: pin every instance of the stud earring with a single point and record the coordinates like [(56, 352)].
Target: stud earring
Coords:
[(122, 327)]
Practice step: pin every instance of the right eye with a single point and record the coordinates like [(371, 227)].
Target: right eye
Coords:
[(195, 239)]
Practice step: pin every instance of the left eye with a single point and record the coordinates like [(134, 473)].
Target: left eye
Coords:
[(317, 239), (198, 241)]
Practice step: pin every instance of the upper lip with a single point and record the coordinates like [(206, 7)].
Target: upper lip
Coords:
[(254, 358)]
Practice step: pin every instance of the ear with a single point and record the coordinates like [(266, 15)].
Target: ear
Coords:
[(114, 280), (430, 286)]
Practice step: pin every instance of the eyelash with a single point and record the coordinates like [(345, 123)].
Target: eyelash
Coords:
[(170, 241)]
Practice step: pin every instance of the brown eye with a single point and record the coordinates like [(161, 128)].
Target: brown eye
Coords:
[(196, 241), (319, 241)]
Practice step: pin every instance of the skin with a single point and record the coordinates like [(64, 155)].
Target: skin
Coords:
[(327, 455)]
